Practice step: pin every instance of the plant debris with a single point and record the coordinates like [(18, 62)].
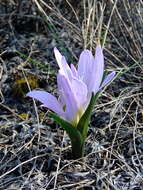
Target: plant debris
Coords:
[(34, 151)]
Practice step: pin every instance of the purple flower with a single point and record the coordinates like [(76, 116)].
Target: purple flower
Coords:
[(75, 87)]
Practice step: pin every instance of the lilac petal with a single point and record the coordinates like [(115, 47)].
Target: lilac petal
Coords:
[(69, 98), (58, 56), (80, 90), (61, 98), (98, 69), (85, 66), (107, 79), (48, 100), (74, 71), (64, 67)]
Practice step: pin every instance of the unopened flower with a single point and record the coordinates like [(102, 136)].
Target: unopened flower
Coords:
[(75, 86)]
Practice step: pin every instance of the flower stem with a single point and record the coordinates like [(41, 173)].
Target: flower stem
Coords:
[(77, 149)]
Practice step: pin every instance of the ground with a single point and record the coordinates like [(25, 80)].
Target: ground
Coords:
[(35, 153)]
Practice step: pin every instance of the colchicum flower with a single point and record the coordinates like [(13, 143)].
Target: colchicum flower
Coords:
[(75, 86)]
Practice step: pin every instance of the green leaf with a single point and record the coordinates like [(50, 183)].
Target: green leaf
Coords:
[(84, 121), (74, 134), (71, 130), (77, 134)]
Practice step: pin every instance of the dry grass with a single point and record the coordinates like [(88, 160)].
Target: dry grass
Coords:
[(34, 152)]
